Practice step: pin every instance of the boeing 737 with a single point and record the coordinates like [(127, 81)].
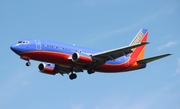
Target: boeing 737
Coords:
[(70, 59)]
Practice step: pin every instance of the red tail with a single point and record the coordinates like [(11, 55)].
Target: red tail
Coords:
[(138, 52)]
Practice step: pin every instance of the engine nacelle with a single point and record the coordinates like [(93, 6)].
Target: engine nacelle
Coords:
[(47, 68), (81, 58)]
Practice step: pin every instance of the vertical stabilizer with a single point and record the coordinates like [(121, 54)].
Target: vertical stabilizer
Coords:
[(138, 52)]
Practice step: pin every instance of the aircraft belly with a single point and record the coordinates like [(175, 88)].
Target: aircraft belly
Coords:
[(115, 68), (62, 59), (51, 57), (111, 68)]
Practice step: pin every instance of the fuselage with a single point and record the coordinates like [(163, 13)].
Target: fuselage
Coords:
[(69, 59), (60, 53)]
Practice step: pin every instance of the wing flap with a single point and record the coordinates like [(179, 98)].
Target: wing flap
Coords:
[(147, 60)]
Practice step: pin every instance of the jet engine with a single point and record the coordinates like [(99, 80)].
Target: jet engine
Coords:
[(47, 68), (81, 58)]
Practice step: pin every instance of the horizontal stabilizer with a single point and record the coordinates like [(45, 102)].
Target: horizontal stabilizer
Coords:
[(147, 60)]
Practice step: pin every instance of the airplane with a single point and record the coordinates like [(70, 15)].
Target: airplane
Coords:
[(71, 59)]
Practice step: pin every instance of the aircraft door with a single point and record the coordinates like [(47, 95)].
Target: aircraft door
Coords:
[(38, 44)]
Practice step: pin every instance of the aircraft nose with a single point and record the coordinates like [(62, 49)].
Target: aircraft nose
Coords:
[(14, 48)]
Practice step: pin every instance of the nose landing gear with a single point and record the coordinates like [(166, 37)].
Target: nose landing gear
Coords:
[(28, 63), (27, 59)]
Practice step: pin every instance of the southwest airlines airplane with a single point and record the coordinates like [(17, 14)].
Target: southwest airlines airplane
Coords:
[(70, 59)]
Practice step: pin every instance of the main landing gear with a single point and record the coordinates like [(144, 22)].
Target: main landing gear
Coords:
[(90, 71), (72, 75)]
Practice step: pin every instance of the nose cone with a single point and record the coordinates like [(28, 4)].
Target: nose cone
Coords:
[(15, 48)]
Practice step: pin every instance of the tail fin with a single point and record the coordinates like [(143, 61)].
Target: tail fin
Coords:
[(138, 52)]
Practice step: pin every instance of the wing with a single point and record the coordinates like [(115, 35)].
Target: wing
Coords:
[(115, 53), (147, 60), (66, 70)]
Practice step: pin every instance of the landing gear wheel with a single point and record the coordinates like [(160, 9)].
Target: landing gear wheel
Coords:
[(28, 63), (90, 71), (72, 76)]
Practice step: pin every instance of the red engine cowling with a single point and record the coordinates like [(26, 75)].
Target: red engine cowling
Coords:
[(47, 68), (81, 58)]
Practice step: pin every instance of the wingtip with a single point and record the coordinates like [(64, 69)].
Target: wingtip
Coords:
[(145, 42), (169, 54)]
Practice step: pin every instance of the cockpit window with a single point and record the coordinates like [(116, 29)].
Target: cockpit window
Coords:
[(20, 42), (24, 42)]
